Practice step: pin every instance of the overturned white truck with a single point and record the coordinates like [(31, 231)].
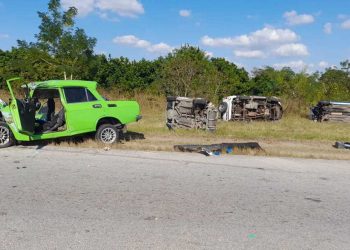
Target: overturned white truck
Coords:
[(184, 112), (241, 108)]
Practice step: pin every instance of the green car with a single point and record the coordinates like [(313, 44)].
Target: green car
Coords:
[(63, 108)]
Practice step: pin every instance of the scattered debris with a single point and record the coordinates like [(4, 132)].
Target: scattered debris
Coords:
[(151, 218), (342, 145), (331, 111), (218, 149), (313, 199)]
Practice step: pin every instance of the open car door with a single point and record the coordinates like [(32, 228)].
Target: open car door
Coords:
[(23, 110)]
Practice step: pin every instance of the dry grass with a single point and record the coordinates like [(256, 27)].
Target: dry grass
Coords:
[(293, 136)]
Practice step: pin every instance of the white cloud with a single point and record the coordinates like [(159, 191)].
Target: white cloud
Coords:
[(238, 64), (292, 49), (260, 38), (129, 8), (4, 36), (249, 53), (124, 8), (323, 64), (185, 13), (293, 18), (295, 65), (84, 7), (262, 43), (342, 16), (327, 28), (160, 48), (133, 41), (209, 54), (346, 24)]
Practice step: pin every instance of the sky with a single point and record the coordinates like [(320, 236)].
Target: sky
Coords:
[(304, 35)]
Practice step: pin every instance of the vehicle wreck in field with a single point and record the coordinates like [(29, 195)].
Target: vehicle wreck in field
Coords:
[(331, 111), (241, 108), (184, 112)]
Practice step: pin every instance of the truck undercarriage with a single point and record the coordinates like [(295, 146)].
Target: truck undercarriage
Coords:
[(241, 108), (184, 112)]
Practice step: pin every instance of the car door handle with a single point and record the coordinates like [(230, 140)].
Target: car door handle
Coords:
[(97, 106)]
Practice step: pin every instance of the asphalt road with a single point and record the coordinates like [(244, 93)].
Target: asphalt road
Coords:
[(59, 198)]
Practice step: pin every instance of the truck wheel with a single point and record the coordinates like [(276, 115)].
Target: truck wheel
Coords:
[(199, 102), (107, 134), (223, 107), (171, 98), (6, 136), (277, 113)]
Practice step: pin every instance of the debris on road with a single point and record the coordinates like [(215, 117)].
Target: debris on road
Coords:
[(342, 145), (218, 149), (331, 111)]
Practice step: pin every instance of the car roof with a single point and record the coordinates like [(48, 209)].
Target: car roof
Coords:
[(62, 83)]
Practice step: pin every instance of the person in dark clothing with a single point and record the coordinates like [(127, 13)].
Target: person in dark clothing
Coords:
[(57, 121), (50, 109)]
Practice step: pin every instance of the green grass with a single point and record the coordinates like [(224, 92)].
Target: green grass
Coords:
[(289, 128)]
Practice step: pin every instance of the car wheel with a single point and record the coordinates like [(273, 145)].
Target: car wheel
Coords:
[(6, 136), (107, 134), (223, 107)]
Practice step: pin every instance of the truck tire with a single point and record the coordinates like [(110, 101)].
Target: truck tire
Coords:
[(107, 134), (171, 98), (6, 136), (223, 107), (277, 113), (200, 102)]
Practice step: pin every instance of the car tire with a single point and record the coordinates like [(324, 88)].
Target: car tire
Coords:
[(107, 134), (223, 107), (6, 136)]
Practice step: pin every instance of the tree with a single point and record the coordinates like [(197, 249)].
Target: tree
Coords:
[(231, 79), (266, 81), (188, 72), (335, 84), (61, 46), (345, 65)]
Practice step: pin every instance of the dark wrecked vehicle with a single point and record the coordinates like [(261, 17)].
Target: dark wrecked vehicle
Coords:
[(241, 108), (184, 112), (331, 111)]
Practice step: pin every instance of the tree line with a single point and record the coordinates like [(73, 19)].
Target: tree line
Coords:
[(64, 51)]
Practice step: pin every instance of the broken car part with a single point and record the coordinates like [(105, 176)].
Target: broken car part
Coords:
[(217, 149), (342, 145)]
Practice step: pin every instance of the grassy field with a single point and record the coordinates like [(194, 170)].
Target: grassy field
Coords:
[(293, 136)]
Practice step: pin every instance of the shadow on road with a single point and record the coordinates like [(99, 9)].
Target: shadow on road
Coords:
[(83, 140)]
